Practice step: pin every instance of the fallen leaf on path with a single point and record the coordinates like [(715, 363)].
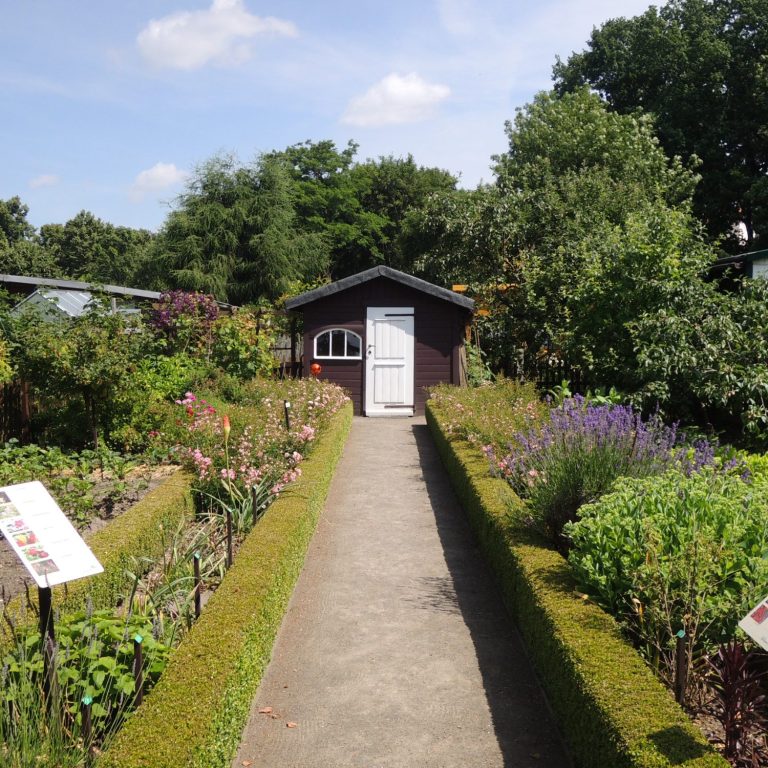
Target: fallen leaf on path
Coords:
[(246, 763), (265, 710), (291, 725)]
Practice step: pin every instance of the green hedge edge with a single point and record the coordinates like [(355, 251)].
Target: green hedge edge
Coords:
[(195, 715), (610, 707), (132, 535)]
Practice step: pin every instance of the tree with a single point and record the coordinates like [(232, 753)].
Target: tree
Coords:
[(698, 67), (234, 234), (588, 226), (389, 188), (704, 355), (88, 248), (30, 258), (328, 204), (14, 226)]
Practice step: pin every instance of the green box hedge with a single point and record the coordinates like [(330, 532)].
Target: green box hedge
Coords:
[(612, 710), (133, 535), (195, 715)]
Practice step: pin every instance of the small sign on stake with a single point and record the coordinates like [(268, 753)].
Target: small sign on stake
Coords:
[(755, 623)]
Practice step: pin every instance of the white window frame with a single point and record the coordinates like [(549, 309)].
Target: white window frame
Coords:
[(345, 356)]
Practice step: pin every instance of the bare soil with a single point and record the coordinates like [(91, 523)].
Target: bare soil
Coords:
[(14, 578)]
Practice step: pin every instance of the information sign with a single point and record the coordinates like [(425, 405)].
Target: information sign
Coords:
[(41, 535), (755, 623)]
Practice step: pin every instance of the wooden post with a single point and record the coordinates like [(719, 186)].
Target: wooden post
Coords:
[(26, 413), (294, 371)]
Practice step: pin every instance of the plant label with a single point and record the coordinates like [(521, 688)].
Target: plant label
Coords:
[(43, 538), (755, 624)]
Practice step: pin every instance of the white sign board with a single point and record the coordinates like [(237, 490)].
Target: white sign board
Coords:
[(42, 536), (755, 624)]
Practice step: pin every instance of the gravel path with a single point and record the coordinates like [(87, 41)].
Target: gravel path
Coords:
[(396, 649)]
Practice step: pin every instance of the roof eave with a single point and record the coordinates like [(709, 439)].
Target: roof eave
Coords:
[(298, 302)]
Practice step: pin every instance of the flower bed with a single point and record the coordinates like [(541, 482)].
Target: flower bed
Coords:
[(242, 460), (195, 715), (612, 709)]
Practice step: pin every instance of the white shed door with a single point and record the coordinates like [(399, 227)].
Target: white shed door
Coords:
[(389, 361)]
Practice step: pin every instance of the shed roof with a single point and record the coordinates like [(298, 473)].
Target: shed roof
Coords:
[(381, 271), (70, 303), (77, 285)]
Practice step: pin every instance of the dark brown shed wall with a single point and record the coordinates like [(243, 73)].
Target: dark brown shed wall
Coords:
[(438, 330)]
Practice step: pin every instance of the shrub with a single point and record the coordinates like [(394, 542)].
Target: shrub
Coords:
[(184, 320), (575, 458), (611, 708), (243, 343), (491, 413), (675, 552)]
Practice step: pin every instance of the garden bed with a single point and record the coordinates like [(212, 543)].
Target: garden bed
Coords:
[(195, 715), (611, 708)]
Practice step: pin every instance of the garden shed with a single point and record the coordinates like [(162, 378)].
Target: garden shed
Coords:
[(384, 336)]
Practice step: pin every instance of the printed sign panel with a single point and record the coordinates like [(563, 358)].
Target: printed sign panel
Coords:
[(755, 624), (43, 538)]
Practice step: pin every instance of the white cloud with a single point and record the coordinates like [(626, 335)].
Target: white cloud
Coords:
[(44, 180), (221, 34), (155, 179), (396, 99)]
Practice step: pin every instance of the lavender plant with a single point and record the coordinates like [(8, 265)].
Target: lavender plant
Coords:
[(575, 458)]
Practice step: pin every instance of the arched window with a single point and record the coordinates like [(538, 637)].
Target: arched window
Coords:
[(338, 344)]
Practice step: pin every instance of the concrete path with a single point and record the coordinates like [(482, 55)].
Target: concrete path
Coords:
[(396, 650)]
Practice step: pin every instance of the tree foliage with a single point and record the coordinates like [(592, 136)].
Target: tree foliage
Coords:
[(698, 66), (358, 209), (233, 234), (588, 226)]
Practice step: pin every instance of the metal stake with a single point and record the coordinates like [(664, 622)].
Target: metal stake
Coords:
[(85, 711), (198, 585), (138, 668), (681, 666), (229, 538), (47, 640)]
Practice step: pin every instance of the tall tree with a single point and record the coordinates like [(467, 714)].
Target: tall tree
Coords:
[(699, 67), (233, 233), (328, 204), (588, 226), (390, 187)]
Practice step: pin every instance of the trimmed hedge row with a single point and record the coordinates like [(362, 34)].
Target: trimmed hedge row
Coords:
[(134, 534), (195, 715), (611, 708)]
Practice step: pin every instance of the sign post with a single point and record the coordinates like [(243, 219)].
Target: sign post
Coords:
[(51, 550)]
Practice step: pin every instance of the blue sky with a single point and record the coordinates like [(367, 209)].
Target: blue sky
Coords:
[(107, 106)]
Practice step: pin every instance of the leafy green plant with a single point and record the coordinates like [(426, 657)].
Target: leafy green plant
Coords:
[(243, 342), (94, 659), (675, 552)]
